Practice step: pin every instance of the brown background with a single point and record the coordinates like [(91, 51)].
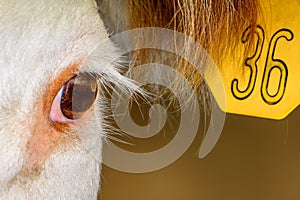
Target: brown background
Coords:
[(254, 159)]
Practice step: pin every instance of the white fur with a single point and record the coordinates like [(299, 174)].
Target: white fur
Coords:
[(38, 39)]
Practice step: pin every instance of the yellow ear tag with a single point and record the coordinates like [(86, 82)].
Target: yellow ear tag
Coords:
[(268, 86)]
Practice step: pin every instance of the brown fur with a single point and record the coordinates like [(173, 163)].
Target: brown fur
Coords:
[(217, 25)]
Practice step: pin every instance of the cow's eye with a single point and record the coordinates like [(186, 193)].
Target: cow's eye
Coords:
[(75, 98)]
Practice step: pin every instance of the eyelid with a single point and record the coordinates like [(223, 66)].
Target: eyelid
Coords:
[(54, 87)]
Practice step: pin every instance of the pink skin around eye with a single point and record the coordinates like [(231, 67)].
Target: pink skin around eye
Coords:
[(55, 113)]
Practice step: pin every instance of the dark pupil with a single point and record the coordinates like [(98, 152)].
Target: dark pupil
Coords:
[(78, 95)]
